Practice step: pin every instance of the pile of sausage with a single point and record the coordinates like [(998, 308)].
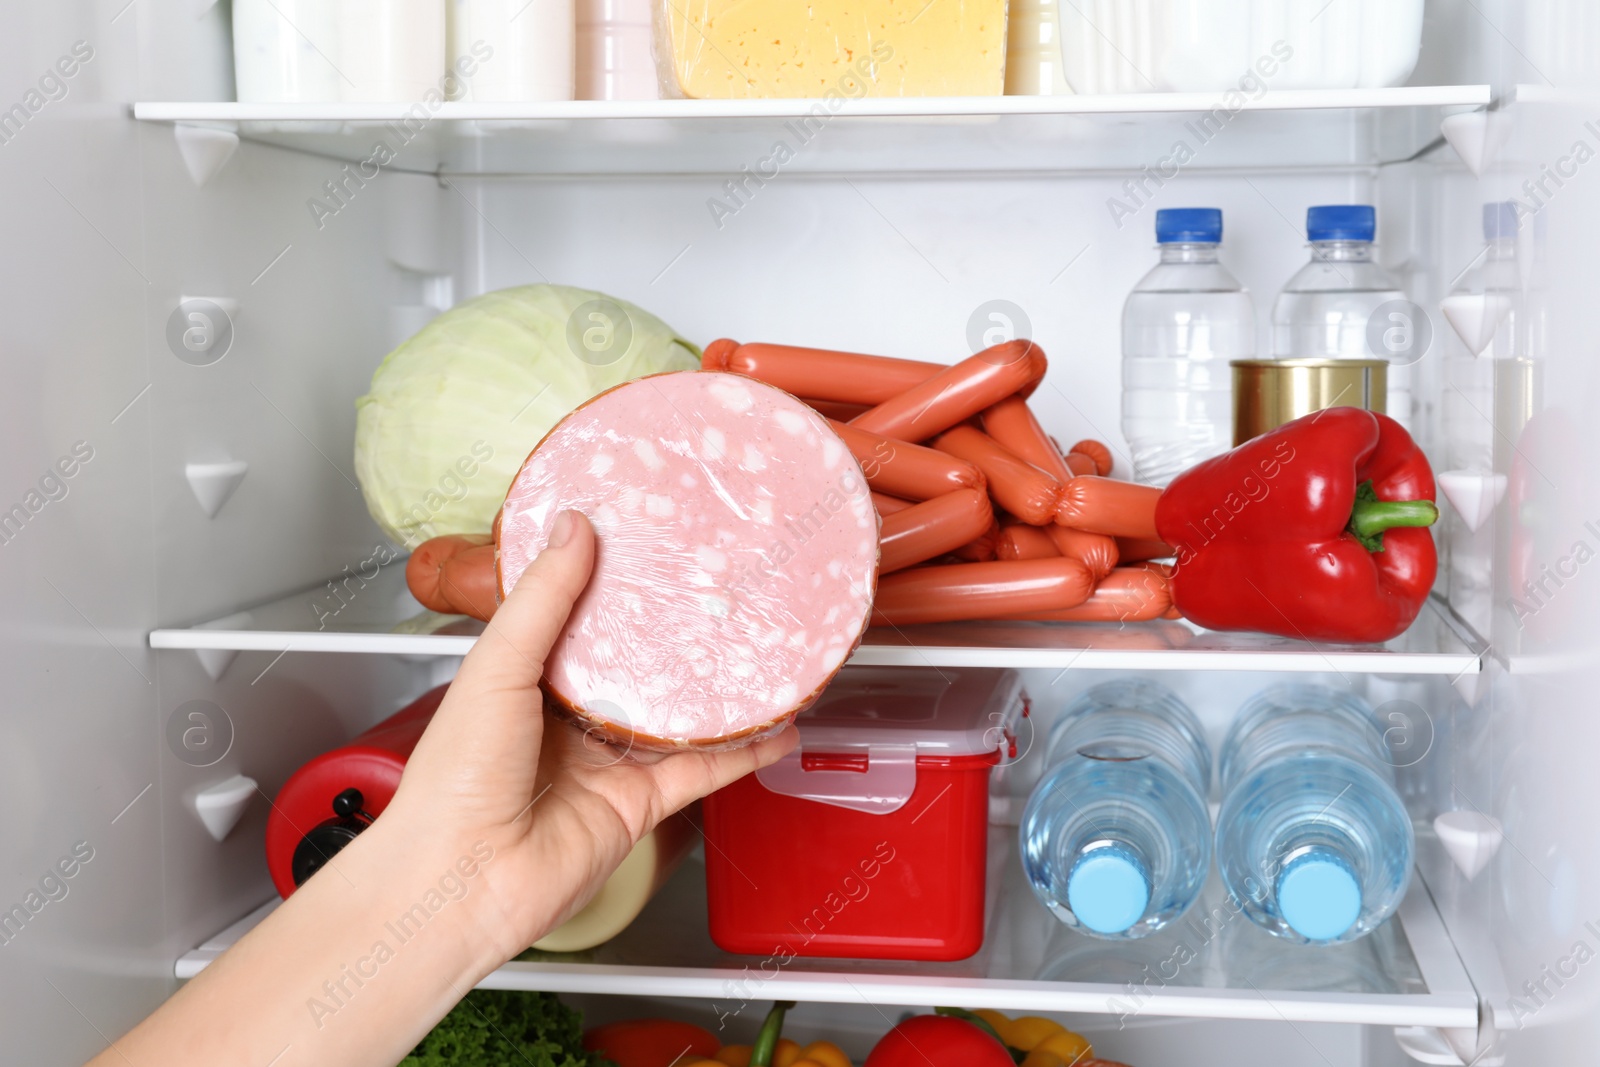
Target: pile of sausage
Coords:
[(983, 515)]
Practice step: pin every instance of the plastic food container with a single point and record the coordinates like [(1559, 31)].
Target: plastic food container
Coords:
[(833, 50), (1252, 46), (870, 839), (519, 50), (615, 53), (285, 51), (391, 51), (1033, 50)]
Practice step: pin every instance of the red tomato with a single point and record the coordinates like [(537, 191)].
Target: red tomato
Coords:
[(650, 1042), (938, 1041)]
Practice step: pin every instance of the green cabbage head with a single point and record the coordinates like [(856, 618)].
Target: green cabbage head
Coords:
[(455, 410)]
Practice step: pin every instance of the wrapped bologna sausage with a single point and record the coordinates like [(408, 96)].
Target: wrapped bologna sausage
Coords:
[(736, 552)]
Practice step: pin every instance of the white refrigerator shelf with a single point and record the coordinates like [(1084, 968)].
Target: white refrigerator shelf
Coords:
[(990, 134), (1405, 974), (379, 616), (1408, 96)]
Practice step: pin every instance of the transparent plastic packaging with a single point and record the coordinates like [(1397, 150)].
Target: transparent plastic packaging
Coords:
[(831, 50), (1313, 843), (1246, 46), (736, 551), (1116, 838)]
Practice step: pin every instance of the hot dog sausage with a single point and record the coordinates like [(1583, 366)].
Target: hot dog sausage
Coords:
[(1018, 540), (982, 548), (932, 528), (715, 355), (1107, 506), (1096, 451), (888, 505), (822, 374), (454, 575), (1021, 488), (980, 591), (1136, 550), (1011, 423), (1098, 552), (1127, 594), (1080, 464), (837, 410), (908, 471), (957, 393)]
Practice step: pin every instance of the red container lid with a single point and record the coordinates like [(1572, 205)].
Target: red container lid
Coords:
[(859, 743)]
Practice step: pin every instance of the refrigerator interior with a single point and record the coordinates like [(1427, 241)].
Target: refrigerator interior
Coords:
[(132, 615)]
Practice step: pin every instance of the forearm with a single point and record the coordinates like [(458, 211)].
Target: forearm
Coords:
[(352, 970)]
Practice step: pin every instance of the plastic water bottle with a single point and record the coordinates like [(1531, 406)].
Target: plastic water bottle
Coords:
[(1467, 410), (1181, 325), (1312, 841), (1324, 310), (1116, 838)]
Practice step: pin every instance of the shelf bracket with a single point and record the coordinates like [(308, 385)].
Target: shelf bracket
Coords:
[(1478, 137), (205, 149), (222, 805)]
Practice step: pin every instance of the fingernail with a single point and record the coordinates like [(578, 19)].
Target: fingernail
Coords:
[(561, 533)]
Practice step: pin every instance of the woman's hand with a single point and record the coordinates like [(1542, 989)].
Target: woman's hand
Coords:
[(506, 821), (559, 807)]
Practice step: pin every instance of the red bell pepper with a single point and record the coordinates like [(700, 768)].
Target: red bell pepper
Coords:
[(1314, 530)]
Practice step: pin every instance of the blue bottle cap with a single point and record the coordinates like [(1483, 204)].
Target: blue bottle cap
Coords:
[(1108, 890), (1319, 896), (1341, 222), (1181, 225), (1499, 220)]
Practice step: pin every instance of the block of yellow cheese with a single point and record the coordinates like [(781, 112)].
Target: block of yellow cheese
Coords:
[(835, 48)]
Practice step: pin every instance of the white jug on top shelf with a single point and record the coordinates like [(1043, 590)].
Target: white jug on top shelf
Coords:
[(1252, 46)]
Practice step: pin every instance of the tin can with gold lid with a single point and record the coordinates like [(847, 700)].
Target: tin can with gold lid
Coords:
[(1270, 392)]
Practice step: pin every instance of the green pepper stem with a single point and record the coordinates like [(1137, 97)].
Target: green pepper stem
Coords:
[(767, 1039), (1369, 518)]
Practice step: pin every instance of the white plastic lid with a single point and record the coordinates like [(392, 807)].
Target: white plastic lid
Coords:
[(892, 715), (943, 711)]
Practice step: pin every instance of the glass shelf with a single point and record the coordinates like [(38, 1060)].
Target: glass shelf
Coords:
[(1404, 974), (381, 617)]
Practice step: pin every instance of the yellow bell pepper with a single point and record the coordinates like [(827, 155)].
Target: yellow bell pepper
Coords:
[(823, 1054), (1070, 1046), (1026, 1033), (1038, 1058), (734, 1055), (786, 1054)]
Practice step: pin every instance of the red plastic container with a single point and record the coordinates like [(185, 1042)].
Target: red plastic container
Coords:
[(870, 839)]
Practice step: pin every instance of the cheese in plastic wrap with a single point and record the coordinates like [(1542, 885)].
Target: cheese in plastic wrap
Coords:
[(736, 557), (831, 49)]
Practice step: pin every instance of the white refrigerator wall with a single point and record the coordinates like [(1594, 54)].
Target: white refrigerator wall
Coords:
[(104, 233)]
